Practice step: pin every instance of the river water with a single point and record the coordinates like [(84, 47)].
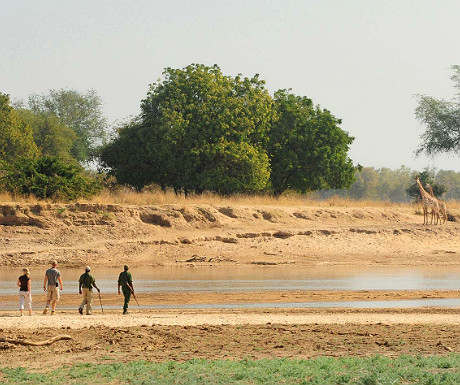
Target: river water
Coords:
[(263, 278)]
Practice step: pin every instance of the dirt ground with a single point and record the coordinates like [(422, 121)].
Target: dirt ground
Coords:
[(204, 235), (182, 335)]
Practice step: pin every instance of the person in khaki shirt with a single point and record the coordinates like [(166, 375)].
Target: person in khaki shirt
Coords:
[(85, 287)]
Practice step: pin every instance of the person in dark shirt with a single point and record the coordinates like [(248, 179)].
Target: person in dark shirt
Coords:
[(87, 282), (25, 291), (125, 281)]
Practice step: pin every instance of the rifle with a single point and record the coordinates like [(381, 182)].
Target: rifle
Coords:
[(132, 292)]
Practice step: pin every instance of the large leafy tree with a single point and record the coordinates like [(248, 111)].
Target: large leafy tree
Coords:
[(442, 121), (16, 136), (307, 148), (198, 130), (80, 111), (51, 135)]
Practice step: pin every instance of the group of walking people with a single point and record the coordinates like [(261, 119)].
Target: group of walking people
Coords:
[(53, 284)]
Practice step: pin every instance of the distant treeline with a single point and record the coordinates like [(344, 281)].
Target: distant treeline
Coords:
[(396, 185)]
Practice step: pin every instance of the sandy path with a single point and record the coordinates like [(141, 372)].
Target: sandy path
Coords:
[(65, 319), (269, 333)]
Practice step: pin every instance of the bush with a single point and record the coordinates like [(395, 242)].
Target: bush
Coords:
[(47, 177)]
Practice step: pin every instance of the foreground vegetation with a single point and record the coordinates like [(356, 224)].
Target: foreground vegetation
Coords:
[(323, 370)]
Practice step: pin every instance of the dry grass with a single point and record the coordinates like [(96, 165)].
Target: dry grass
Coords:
[(129, 197), (453, 204), (7, 198)]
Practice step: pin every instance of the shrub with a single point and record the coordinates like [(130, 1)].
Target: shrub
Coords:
[(47, 177)]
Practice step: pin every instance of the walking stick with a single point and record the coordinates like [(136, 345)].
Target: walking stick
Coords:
[(100, 300)]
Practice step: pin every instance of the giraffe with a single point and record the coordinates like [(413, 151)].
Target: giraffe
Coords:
[(427, 201), (442, 205)]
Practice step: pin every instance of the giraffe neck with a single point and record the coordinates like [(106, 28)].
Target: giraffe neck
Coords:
[(430, 189), (422, 190)]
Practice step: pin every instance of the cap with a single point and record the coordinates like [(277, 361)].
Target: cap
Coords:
[(126, 267), (87, 268)]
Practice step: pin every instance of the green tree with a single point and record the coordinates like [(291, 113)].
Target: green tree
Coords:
[(425, 176), (51, 135), (129, 159), (16, 137), (80, 111), (307, 148), (442, 119), (47, 177), (199, 130)]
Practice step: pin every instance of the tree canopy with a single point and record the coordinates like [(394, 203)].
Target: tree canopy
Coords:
[(442, 119), (198, 130), (201, 130), (51, 135), (307, 148), (82, 112), (16, 136)]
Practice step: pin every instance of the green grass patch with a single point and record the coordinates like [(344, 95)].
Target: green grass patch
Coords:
[(377, 370)]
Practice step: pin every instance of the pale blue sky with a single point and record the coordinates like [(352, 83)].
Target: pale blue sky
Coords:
[(362, 59)]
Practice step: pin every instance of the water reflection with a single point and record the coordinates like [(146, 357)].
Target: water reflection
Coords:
[(400, 304), (251, 278)]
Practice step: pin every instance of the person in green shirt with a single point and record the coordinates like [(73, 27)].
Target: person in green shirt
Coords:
[(125, 282), (87, 282)]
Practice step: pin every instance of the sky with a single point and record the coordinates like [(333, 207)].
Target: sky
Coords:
[(364, 60)]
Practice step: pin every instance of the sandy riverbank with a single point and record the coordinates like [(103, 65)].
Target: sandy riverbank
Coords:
[(205, 235)]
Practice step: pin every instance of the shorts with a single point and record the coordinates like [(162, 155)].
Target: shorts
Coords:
[(52, 293)]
